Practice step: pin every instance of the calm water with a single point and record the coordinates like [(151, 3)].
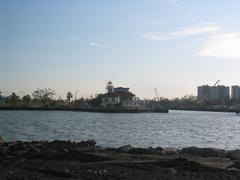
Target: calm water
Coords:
[(175, 129)]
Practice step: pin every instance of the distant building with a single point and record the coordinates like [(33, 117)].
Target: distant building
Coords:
[(202, 92), (119, 97), (213, 93), (235, 92)]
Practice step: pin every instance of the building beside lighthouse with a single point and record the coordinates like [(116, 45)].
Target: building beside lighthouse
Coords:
[(119, 97)]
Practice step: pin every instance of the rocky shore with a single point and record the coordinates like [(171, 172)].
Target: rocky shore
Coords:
[(85, 160)]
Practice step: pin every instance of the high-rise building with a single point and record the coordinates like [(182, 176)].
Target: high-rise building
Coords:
[(203, 92), (235, 92), (213, 93)]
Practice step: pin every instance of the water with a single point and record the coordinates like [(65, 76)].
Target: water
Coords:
[(175, 129)]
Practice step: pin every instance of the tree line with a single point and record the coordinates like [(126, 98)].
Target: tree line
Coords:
[(41, 97), (45, 97)]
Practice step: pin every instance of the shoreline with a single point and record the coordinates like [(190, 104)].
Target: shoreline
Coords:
[(86, 160), (100, 110), (205, 110)]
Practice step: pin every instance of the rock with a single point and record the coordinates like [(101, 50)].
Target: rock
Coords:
[(9, 157), (173, 171), (2, 142), (235, 154), (115, 150), (66, 171), (78, 156), (3, 150), (204, 152), (158, 150), (66, 150), (236, 165), (39, 144), (3, 147), (169, 151), (22, 153), (148, 150), (141, 151), (17, 146), (59, 145), (88, 143), (126, 148)]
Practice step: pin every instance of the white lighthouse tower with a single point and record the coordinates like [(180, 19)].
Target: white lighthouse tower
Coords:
[(109, 87)]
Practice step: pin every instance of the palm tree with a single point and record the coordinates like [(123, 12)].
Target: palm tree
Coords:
[(69, 96)]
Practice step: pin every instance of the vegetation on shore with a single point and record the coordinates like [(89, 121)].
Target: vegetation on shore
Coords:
[(41, 98), (47, 98)]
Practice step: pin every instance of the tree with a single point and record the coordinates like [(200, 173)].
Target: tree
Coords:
[(48, 93), (13, 98), (37, 94), (26, 99), (95, 102), (44, 95), (80, 102), (69, 96)]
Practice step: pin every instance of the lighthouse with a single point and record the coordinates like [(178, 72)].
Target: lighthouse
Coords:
[(109, 87)]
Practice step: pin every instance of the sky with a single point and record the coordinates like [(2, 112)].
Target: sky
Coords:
[(78, 45)]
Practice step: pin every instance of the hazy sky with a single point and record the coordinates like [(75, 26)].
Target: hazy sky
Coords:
[(171, 45)]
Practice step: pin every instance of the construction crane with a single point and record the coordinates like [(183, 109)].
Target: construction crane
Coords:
[(218, 81), (156, 92), (206, 94)]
